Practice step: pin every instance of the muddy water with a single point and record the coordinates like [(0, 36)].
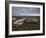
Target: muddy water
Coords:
[(26, 25)]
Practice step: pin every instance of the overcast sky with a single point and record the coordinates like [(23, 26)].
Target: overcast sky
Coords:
[(25, 11)]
